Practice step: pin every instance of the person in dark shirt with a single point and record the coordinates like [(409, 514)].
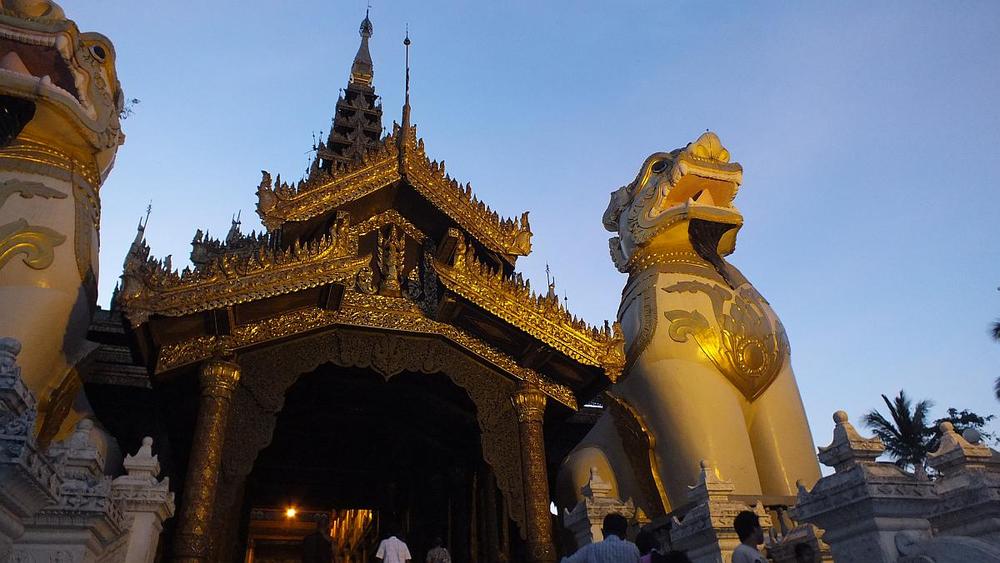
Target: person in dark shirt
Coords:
[(316, 547)]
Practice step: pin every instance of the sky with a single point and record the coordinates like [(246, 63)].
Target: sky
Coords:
[(868, 133)]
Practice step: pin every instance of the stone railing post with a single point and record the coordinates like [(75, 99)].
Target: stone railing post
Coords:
[(587, 517), (218, 380), (85, 523), (147, 502), (529, 402), (969, 487), (28, 481), (865, 504), (706, 532)]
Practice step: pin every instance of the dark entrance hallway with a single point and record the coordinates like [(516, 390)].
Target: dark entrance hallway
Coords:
[(408, 449)]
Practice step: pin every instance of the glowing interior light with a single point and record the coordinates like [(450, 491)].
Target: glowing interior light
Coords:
[(290, 512)]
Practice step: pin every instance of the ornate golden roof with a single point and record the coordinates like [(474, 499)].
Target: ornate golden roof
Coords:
[(400, 155), (152, 286)]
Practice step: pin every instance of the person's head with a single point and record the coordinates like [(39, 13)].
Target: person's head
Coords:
[(323, 524), (804, 553), (438, 542), (747, 525), (671, 557), (645, 541), (615, 524)]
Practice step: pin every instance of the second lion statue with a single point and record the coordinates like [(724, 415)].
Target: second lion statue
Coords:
[(708, 373)]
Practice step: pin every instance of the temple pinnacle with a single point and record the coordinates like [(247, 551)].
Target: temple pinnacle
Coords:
[(367, 29), (406, 97), (362, 71)]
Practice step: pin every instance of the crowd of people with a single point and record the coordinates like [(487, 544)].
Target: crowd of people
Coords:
[(614, 548)]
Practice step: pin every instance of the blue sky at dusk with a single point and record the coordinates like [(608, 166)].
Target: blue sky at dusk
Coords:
[(868, 133)]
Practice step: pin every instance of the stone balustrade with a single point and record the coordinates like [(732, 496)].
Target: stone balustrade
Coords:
[(875, 512), (59, 505)]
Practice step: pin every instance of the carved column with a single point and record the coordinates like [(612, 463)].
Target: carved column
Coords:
[(218, 380), (529, 402)]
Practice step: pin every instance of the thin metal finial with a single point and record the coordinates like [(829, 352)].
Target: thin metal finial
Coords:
[(149, 209), (406, 102)]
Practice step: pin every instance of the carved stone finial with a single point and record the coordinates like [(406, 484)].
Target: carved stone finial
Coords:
[(143, 465), (848, 447), (710, 484), (955, 452), (9, 349), (17, 403), (596, 487)]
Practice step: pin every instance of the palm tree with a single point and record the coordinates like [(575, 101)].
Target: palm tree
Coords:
[(907, 436)]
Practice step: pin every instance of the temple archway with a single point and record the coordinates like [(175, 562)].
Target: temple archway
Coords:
[(273, 398)]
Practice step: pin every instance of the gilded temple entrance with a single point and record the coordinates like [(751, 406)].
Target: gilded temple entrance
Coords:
[(407, 448), (388, 289)]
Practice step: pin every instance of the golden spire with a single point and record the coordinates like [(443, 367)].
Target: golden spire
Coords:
[(362, 71)]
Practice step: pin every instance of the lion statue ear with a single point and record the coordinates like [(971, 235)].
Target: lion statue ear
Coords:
[(620, 199)]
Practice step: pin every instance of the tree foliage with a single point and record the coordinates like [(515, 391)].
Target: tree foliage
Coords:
[(906, 434), (964, 420)]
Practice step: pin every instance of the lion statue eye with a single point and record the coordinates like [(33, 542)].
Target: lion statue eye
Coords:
[(659, 166), (99, 53)]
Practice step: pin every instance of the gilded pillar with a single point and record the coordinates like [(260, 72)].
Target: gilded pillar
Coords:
[(218, 380), (529, 402)]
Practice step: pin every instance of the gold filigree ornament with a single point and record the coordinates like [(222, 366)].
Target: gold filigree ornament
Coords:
[(35, 243), (743, 342)]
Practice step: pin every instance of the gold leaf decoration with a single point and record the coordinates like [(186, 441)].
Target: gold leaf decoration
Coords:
[(33, 242), (744, 343)]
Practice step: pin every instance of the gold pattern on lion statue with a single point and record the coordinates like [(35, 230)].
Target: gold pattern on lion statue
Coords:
[(743, 342)]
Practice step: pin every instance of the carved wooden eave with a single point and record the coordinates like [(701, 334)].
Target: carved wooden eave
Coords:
[(400, 155), (242, 301), (542, 317), (151, 287), (360, 312), (279, 202)]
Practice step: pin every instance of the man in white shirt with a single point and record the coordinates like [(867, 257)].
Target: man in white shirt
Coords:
[(393, 550), (614, 549), (747, 526)]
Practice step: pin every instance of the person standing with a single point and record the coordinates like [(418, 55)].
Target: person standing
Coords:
[(614, 549), (438, 553), (747, 525), (393, 550), (317, 547)]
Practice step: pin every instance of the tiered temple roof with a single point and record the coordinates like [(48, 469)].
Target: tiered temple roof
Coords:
[(376, 235)]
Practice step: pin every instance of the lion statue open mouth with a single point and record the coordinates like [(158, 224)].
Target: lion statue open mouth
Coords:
[(55, 79)]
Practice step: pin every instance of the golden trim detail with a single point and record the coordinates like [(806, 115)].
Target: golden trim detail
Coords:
[(358, 310), (543, 317), (34, 242), (399, 155), (743, 342), (640, 447)]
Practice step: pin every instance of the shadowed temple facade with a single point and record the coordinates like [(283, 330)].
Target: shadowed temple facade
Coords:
[(373, 361)]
